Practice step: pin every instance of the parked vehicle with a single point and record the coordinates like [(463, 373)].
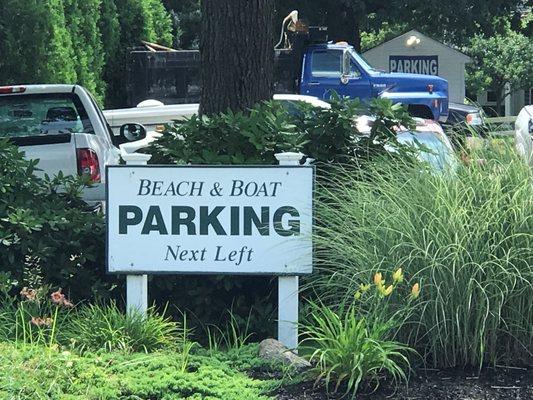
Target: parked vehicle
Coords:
[(153, 114), (63, 127), (432, 147), (464, 115), (307, 65), (427, 139), (465, 123), (524, 134)]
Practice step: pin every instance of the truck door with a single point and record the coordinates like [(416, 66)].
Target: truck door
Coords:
[(330, 70)]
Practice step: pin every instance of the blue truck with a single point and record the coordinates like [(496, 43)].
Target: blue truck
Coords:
[(337, 67), (307, 64)]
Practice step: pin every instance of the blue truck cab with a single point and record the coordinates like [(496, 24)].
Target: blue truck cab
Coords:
[(337, 67)]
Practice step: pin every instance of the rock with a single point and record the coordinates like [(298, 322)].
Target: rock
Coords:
[(272, 349)]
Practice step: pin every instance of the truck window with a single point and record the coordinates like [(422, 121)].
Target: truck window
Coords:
[(354, 70), (42, 114), (327, 63)]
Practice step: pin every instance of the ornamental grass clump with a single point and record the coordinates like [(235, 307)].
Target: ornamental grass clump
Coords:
[(465, 241), (106, 327)]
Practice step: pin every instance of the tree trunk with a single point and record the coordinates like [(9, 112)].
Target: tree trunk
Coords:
[(237, 54)]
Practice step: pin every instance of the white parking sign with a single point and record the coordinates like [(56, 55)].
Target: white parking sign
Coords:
[(233, 220)]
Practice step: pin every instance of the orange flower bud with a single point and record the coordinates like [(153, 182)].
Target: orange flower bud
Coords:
[(415, 291)]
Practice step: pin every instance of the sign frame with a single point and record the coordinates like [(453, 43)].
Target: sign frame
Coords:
[(253, 166)]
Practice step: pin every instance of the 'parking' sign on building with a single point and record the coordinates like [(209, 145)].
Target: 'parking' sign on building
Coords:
[(416, 53)]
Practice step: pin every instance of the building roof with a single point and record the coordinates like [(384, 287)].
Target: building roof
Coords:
[(407, 34)]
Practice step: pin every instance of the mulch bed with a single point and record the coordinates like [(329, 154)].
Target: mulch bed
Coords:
[(491, 384)]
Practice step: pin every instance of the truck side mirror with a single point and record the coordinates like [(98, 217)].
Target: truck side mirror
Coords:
[(132, 132)]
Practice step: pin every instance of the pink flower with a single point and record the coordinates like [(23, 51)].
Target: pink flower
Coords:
[(29, 294), (38, 321), (58, 297)]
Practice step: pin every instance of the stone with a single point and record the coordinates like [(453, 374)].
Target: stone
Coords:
[(272, 349)]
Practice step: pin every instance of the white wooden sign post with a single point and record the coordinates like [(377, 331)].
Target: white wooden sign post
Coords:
[(136, 285), (235, 220), (288, 285)]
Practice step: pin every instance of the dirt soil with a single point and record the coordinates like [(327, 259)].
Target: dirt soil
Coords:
[(492, 384)]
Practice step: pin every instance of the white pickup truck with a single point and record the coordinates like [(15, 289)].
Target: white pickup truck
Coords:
[(63, 127), (153, 114)]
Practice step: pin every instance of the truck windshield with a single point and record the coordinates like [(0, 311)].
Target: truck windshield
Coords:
[(42, 114), (362, 62)]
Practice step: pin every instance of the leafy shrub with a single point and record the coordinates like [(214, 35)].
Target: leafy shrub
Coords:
[(229, 138), (106, 327), (326, 135), (468, 240), (331, 135), (46, 233), (35, 372)]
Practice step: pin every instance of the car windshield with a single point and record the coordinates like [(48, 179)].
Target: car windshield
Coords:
[(296, 108), (430, 148), (291, 107), (42, 114)]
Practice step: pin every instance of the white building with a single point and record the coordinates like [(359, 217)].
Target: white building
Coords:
[(417, 53)]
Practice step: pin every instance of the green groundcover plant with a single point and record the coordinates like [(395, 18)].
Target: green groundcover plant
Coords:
[(36, 372), (467, 239), (53, 349)]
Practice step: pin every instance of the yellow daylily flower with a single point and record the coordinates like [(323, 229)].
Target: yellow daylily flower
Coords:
[(364, 288), (378, 278), (398, 276), (388, 291)]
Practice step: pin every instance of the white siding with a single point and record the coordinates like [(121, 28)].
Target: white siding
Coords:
[(451, 62)]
